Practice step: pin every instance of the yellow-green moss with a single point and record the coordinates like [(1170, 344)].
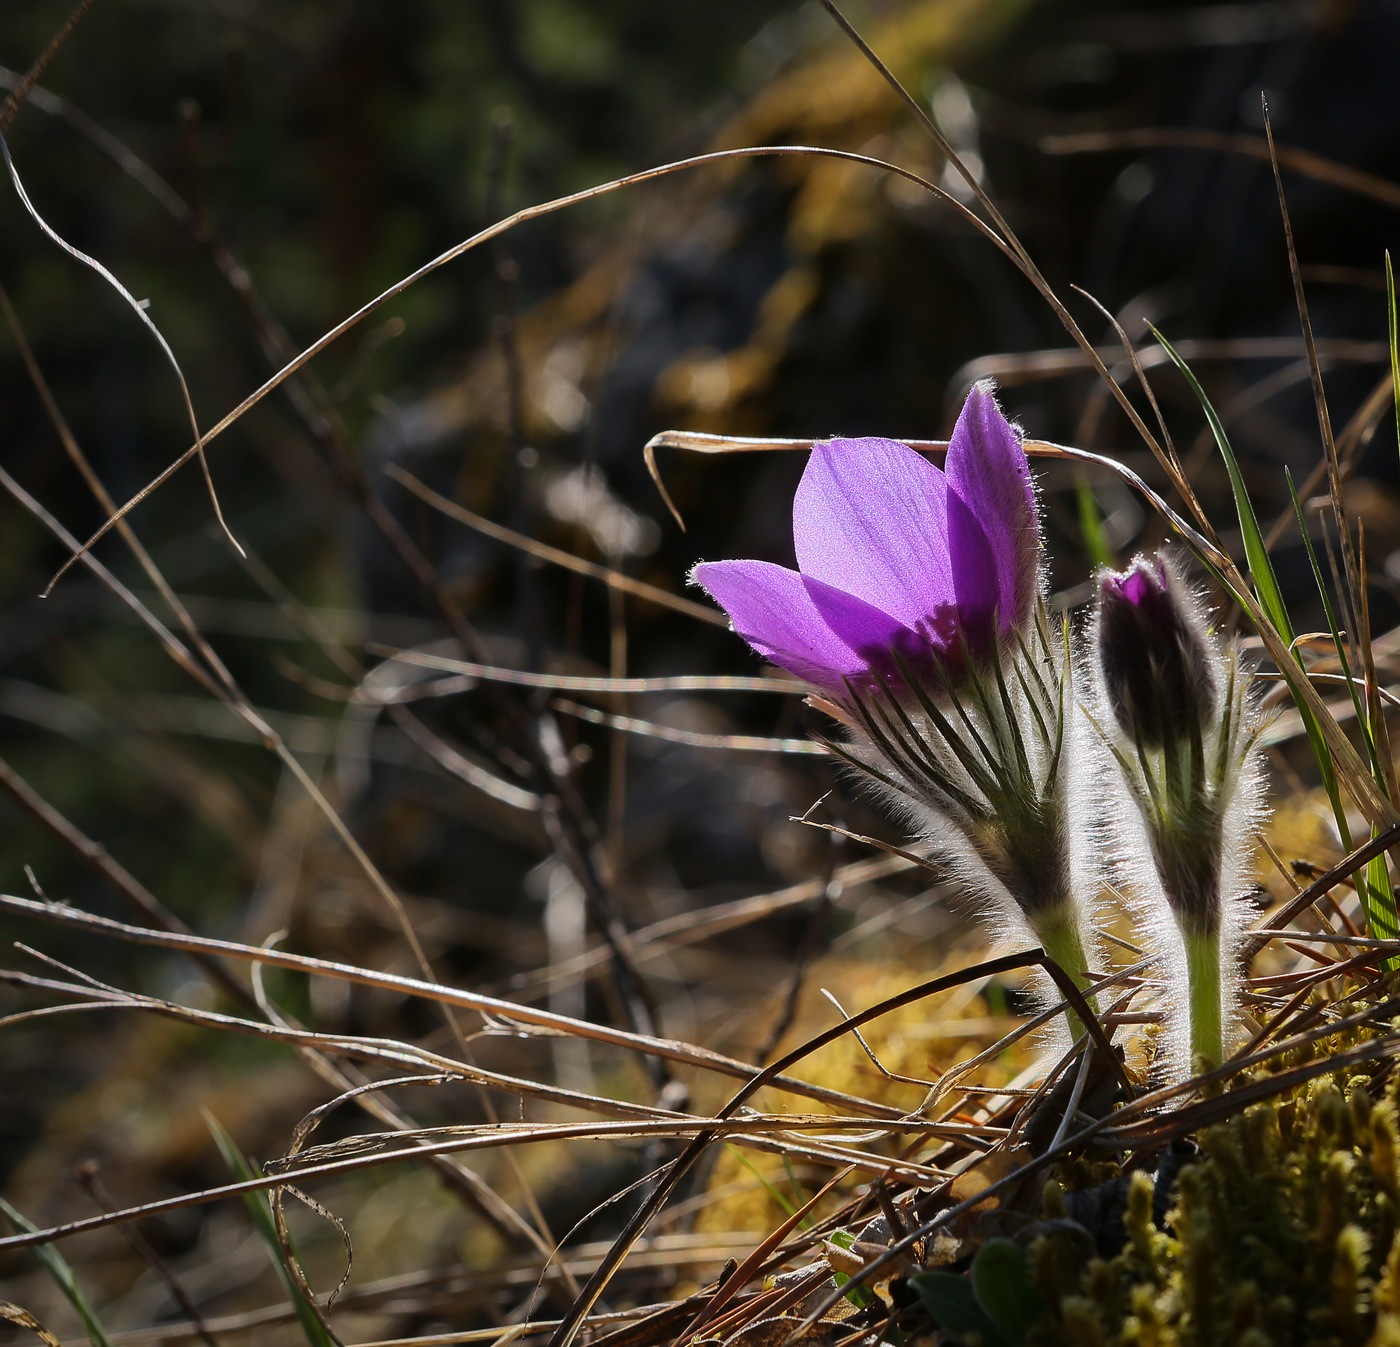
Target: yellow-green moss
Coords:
[(1282, 1232)]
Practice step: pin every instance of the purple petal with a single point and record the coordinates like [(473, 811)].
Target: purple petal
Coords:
[(987, 469), (868, 630), (976, 580), (870, 519), (770, 608), (1141, 585)]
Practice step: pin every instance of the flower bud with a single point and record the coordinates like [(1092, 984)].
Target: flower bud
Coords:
[(1174, 705), (1156, 667)]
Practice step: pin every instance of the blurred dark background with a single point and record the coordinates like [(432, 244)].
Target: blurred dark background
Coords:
[(256, 171)]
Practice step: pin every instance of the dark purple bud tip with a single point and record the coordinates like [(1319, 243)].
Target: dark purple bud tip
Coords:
[(1156, 664)]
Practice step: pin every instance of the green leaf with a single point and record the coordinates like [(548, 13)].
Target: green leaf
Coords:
[(1001, 1279), (953, 1304), (1319, 747), (858, 1295), (796, 1188), (260, 1209), (57, 1266)]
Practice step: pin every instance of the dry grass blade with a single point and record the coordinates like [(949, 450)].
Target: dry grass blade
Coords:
[(575, 683), (557, 556), (1355, 436), (96, 857), (14, 1314), (87, 1175), (740, 1277), (457, 762), (98, 136), (889, 849), (511, 1012), (495, 231), (139, 310), (389, 1052), (489, 1136), (702, 443), (688, 927), (741, 743), (1345, 868), (1303, 162), (1324, 418), (370, 1296), (1023, 367), (869, 1051), (389, 1146), (692, 1153), (1384, 694), (1002, 233), (21, 89)]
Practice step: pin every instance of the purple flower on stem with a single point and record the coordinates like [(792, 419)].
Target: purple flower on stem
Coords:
[(898, 560), (916, 609)]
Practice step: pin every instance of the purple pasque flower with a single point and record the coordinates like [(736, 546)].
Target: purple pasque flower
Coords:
[(916, 607), (898, 560)]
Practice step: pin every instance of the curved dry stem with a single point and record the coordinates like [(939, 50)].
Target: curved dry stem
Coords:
[(555, 555), (692, 1153), (485, 236), (1303, 162), (197, 449), (491, 1007)]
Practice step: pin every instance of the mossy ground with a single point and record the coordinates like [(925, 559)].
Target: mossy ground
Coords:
[(1282, 1231)]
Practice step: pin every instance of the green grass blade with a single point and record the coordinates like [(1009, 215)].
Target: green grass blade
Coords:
[(1377, 895), (57, 1266), (1261, 568), (1332, 625), (1375, 890), (260, 1209), (1377, 873), (772, 1191), (792, 1179), (1381, 913), (1091, 524)]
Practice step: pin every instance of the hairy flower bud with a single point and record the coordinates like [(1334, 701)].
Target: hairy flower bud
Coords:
[(1177, 716), (1156, 668)]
